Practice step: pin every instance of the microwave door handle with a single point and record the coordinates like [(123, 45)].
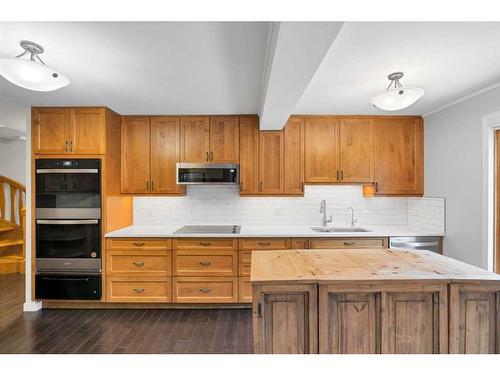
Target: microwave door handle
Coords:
[(49, 171), (66, 222)]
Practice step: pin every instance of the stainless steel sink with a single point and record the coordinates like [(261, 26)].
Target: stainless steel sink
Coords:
[(339, 230)]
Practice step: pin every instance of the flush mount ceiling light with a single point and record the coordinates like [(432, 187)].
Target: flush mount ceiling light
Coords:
[(397, 97), (31, 74)]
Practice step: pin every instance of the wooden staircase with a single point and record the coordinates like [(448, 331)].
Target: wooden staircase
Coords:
[(12, 226)]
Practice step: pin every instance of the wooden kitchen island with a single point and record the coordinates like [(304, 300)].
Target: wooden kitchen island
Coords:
[(372, 301)]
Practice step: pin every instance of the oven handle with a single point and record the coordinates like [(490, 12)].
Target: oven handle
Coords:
[(44, 171), (67, 222), (66, 278)]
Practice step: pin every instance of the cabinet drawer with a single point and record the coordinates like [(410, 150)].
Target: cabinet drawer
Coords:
[(138, 289), (264, 243), (205, 263), (244, 289), (300, 243), (205, 243), (343, 243), (205, 289), (138, 243), (245, 261), (138, 262)]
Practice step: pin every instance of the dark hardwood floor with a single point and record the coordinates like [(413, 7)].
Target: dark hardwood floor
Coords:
[(120, 331)]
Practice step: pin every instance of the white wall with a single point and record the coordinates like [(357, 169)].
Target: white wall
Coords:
[(453, 169), (13, 160)]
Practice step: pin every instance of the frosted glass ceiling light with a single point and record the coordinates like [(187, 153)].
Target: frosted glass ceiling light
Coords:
[(398, 97), (31, 74)]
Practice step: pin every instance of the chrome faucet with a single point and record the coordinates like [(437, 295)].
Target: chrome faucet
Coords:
[(322, 209), (353, 220)]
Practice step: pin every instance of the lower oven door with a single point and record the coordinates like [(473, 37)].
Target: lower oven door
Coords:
[(68, 239), (54, 286)]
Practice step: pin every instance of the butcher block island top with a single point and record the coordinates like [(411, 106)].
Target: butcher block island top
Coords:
[(372, 301), (360, 265)]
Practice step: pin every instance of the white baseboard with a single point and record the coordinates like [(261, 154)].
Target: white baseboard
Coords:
[(32, 306)]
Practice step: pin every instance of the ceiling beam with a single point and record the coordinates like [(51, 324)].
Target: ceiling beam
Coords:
[(295, 51)]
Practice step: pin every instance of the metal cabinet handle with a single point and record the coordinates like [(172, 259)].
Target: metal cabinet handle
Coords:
[(206, 264), (138, 243), (302, 186), (259, 310), (211, 156), (307, 244), (206, 156), (264, 243), (205, 243), (241, 186), (138, 264), (376, 186), (139, 290), (205, 290), (337, 175), (71, 145), (341, 175), (260, 186), (147, 186), (349, 243), (152, 186), (66, 145)]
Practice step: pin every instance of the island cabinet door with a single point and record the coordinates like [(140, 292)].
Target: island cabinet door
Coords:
[(285, 319), (414, 322), (348, 322), (474, 319)]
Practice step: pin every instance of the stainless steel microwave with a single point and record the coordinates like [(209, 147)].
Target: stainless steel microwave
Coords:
[(208, 174)]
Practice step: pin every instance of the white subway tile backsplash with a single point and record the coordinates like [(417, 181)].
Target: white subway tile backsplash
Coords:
[(222, 204)]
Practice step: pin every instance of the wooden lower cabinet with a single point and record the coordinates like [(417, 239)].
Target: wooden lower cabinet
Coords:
[(137, 263), (244, 289), (205, 289), (390, 320), (205, 263), (138, 289), (345, 243), (285, 319), (475, 322)]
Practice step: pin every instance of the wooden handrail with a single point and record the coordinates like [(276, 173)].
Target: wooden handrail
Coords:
[(14, 188)]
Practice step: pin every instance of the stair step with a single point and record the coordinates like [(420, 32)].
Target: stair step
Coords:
[(8, 243), (6, 228), (11, 259)]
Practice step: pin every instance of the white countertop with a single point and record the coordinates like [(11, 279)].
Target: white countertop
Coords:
[(274, 231)]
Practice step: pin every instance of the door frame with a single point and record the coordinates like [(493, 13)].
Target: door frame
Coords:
[(490, 252)]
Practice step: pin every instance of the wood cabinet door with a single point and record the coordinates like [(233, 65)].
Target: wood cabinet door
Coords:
[(249, 155), (321, 149), (135, 154), (356, 158), (474, 319), (50, 130), (271, 162), (225, 139), (195, 139), (398, 146), (285, 319), (165, 154), (413, 323), (294, 156), (348, 322), (87, 131)]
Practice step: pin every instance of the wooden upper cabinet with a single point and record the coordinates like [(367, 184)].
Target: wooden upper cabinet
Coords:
[(51, 130), (321, 155), (356, 158), (271, 162), (87, 130), (398, 146), (195, 139), (294, 156), (249, 155), (165, 153), (135, 154), (224, 139)]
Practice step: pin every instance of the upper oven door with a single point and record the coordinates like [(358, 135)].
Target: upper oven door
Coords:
[(68, 238), (68, 189)]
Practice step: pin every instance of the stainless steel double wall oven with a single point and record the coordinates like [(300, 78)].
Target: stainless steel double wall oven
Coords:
[(68, 229)]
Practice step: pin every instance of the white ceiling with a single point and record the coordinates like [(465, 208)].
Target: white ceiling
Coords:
[(146, 68), (218, 68), (447, 59)]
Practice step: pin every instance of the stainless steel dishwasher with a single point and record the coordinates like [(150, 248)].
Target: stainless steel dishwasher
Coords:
[(416, 243)]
